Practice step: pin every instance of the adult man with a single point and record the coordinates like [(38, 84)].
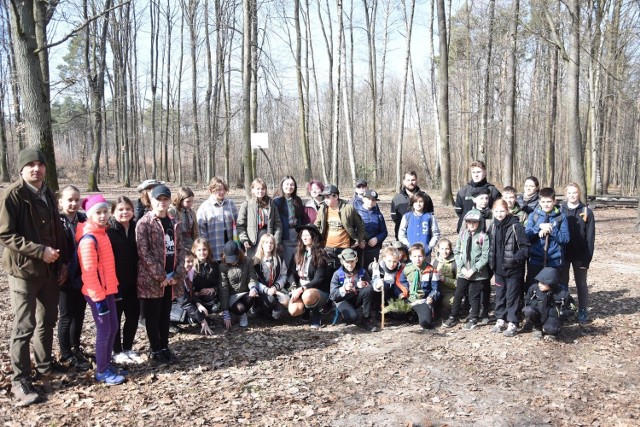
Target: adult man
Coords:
[(35, 259), (464, 199), (400, 204)]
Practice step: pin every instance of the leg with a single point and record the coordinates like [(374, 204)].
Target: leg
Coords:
[(23, 304), (475, 290), (425, 315), (462, 286), (46, 317), (580, 275), (151, 309), (79, 308), (501, 297), (117, 342), (513, 285), (165, 317), (345, 308), (485, 298), (64, 324), (365, 300), (103, 332), (131, 315)]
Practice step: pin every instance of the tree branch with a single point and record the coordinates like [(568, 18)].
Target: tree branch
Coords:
[(80, 28)]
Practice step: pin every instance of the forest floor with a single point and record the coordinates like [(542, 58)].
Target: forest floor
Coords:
[(287, 374)]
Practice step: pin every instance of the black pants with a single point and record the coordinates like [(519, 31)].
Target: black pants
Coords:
[(508, 297), (269, 304), (347, 307), (194, 315), (425, 314), (485, 299), (243, 305), (72, 306), (129, 305), (551, 324), (157, 314), (475, 289)]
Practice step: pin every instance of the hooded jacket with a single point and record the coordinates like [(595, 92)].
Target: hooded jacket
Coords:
[(558, 238)]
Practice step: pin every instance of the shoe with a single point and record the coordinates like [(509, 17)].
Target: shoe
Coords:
[(57, 368), (368, 325), (170, 356), (110, 378), (550, 338), (253, 312), (82, 363), (120, 358), (450, 322), (276, 314), (583, 316), (159, 358), (174, 329), (316, 319), (485, 321), (24, 393), (499, 327), (117, 371), (326, 309), (73, 361), (134, 357), (511, 330), (244, 321), (470, 324), (527, 327), (537, 333)]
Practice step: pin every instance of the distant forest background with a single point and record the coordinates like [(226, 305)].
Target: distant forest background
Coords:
[(121, 91)]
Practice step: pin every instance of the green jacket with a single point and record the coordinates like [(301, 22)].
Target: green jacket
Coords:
[(349, 217), (517, 211), (479, 259), (19, 235), (234, 280), (449, 271), (248, 222)]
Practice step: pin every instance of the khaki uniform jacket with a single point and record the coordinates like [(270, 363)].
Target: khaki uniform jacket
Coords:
[(351, 221)]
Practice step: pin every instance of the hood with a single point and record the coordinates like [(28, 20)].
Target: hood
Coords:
[(549, 276)]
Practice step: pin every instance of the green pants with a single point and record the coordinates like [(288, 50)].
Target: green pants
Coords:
[(35, 309)]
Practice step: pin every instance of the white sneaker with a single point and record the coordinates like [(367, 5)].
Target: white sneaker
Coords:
[(120, 359), (244, 321), (134, 357), (500, 326)]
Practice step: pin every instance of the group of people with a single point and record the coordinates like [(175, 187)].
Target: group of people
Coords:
[(159, 262)]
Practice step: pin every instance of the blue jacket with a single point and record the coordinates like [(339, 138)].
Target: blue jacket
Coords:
[(421, 228), (374, 224), (558, 238)]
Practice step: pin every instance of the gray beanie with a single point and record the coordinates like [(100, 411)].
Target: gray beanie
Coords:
[(28, 155)]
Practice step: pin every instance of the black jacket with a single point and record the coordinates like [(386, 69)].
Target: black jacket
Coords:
[(464, 198), (207, 275), (509, 246), (582, 234), (401, 204), (125, 252)]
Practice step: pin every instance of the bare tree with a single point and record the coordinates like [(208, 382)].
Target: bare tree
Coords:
[(443, 103), (302, 114), (510, 104), (486, 95), (246, 94)]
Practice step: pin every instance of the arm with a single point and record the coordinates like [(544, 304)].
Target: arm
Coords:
[(203, 222), (483, 261), (320, 276), (9, 235), (591, 235), (522, 253), (88, 258), (459, 206), (561, 234), (337, 292), (241, 224), (402, 231), (435, 233), (277, 224), (382, 229)]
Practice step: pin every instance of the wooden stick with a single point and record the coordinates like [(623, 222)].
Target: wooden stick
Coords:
[(382, 307)]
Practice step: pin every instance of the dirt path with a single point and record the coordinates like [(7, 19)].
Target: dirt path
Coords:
[(287, 374)]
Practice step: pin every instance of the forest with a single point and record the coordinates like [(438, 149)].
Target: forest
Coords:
[(118, 91)]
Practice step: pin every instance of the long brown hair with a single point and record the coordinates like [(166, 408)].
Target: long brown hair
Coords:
[(318, 256)]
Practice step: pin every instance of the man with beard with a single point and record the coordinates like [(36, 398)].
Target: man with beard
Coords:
[(400, 204)]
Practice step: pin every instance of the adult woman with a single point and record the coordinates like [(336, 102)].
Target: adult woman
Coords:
[(217, 218), (160, 268), (529, 199), (311, 206), (258, 216), (143, 205), (290, 209), (311, 276)]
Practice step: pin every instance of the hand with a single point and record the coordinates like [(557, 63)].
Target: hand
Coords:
[(272, 291), (164, 283), (247, 245), (227, 324), (50, 255), (348, 287), (372, 242), (362, 244), (430, 300), (206, 291), (297, 293), (375, 267), (202, 309), (64, 275), (253, 293), (102, 307), (205, 329), (469, 273), (362, 284), (543, 287), (172, 282)]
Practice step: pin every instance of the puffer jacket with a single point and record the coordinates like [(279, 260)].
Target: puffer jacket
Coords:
[(96, 261), (235, 280), (509, 259), (125, 253), (558, 238), (19, 234), (151, 253), (447, 271)]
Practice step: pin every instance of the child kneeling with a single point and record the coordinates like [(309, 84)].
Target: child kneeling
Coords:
[(419, 284), (544, 301)]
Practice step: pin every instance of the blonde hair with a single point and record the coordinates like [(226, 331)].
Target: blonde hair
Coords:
[(260, 252), (202, 242), (390, 251), (576, 186)]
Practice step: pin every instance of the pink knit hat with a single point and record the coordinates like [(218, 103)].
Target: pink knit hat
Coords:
[(93, 203)]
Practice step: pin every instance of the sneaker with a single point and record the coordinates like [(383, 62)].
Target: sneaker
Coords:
[(24, 393), (117, 371), (368, 325), (110, 378), (450, 322), (253, 312), (499, 327), (471, 324), (485, 321), (57, 368), (326, 309), (159, 358), (511, 331), (120, 359), (316, 320), (170, 356), (134, 357), (537, 333), (82, 363), (583, 316), (244, 321)]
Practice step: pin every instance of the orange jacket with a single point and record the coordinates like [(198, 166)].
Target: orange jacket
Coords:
[(98, 267)]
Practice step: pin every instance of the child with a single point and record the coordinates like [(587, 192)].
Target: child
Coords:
[(548, 232), (445, 265), (188, 304), (206, 277), (291, 210), (481, 197), (72, 304), (472, 259), (256, 217), (350, 290), (529, 199), (508, 251), (269, 277), (387, 272), (122, 236), (465, 198), (419, 284), (99, 284), (579, 250), (509, 195), (544, 300), (374, 224), (235, 296), (311, 206), (185, 216), (418, 226)]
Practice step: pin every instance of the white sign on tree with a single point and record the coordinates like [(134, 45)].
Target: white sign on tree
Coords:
[(259, 140)]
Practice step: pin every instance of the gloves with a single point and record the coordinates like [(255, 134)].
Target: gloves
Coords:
[(103, 307)]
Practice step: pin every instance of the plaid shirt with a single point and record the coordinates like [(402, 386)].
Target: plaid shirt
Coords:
[(214, 219)]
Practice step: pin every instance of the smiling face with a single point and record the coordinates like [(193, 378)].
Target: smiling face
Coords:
[(306, 238), (316, 192), (288, 187), (416, 256), (418, 205), (268, 246), (349, 265), (189, 261), (499, 212), (258, 191), (123, 213), (530, 188), (101, 217), (160, 205), (573, 195), (472, 226), (444, 250), (391, 262), (187, 203), (69, 202), (33, 173), (368, 203), (510, 198), (202, 253)]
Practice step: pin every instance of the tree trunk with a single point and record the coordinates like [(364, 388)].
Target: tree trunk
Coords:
[(487, 95), (434, 97), (302, 114), (510, 113), (347, 109), (246, 95), (371, 11), (443, 98), (4, 169)]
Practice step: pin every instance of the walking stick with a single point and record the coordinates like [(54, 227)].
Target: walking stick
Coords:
[(546, 249), (382, 307)]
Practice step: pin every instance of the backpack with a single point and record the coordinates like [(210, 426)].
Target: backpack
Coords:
[(74, 271)]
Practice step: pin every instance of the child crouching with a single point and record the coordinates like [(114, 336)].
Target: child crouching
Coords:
[(543, 302)]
